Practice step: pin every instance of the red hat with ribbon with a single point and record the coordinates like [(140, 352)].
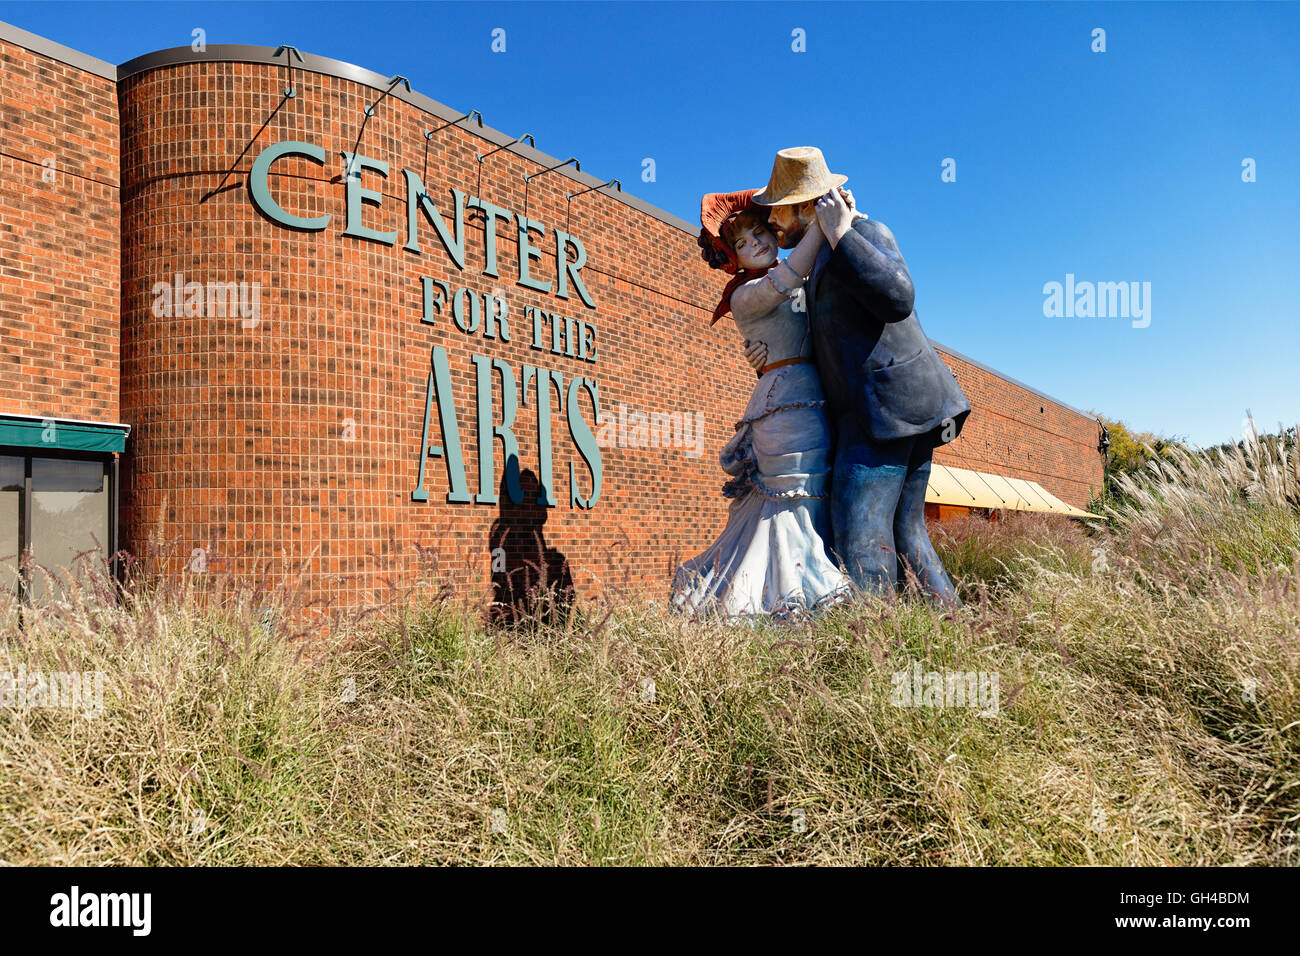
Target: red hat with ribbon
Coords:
[(716, 210)]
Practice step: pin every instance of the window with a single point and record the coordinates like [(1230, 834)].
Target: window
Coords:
[(13, 473), (70, 515), (60, 511)]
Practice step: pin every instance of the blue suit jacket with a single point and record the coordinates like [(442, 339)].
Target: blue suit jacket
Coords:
[(875, 362)]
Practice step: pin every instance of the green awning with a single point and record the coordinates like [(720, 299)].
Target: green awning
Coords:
[(60, 434)]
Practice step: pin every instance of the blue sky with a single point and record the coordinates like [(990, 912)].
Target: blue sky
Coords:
[(1122, 166)]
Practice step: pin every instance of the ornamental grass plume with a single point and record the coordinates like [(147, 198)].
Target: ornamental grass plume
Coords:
[(1148, 713)]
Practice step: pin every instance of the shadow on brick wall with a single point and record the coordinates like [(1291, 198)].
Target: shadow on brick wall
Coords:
[(530, 581)]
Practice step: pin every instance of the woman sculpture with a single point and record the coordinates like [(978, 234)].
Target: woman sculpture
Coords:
[(771, 557)]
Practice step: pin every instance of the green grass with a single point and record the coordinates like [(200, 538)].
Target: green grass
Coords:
[(1149, 714)]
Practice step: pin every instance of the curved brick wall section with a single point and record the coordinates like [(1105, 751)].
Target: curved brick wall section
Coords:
[(241, 440), (59, 254)]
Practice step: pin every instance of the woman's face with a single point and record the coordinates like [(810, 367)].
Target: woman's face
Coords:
[(755, 246)]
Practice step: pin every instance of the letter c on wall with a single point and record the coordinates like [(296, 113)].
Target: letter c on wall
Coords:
[(260, 189)]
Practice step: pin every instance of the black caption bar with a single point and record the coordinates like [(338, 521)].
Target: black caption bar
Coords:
[(373, 906)]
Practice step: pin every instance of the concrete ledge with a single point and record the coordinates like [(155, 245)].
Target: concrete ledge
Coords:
[(1007, 378), (311, 63), (56, 51)]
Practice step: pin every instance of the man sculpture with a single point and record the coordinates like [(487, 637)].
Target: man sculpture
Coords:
[(889, 397)]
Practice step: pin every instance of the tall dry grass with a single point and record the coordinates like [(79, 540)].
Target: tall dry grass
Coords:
[(1149, 713)]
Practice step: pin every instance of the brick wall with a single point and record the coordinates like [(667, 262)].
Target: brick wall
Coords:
[(239, 444), (1014, 432), (291, 442), (59, 253)]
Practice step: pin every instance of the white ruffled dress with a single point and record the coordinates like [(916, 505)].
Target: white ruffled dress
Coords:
[(771, 557)]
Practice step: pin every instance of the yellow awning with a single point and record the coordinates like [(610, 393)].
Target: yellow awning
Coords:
[(946, 489), (980, 489)]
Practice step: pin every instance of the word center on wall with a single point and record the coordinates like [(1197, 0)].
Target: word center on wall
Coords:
[(469, 311)]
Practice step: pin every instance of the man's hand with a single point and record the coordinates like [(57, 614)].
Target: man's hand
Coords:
[(835, 216), (756, 354)]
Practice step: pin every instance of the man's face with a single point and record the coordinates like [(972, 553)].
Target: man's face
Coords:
[(789, 222)]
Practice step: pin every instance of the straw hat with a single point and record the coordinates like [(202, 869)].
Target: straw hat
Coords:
[(798, 175)]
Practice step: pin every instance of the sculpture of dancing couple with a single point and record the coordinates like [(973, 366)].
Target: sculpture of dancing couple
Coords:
[(843, 364)]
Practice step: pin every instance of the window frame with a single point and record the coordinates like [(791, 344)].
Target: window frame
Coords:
[(110, 462)]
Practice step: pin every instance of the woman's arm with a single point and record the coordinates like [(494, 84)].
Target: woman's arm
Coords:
[(760, 296)]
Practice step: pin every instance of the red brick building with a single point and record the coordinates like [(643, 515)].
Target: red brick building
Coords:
[(220, 365)]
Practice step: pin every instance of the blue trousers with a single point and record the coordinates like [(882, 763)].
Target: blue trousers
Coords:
[(878, 512)]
